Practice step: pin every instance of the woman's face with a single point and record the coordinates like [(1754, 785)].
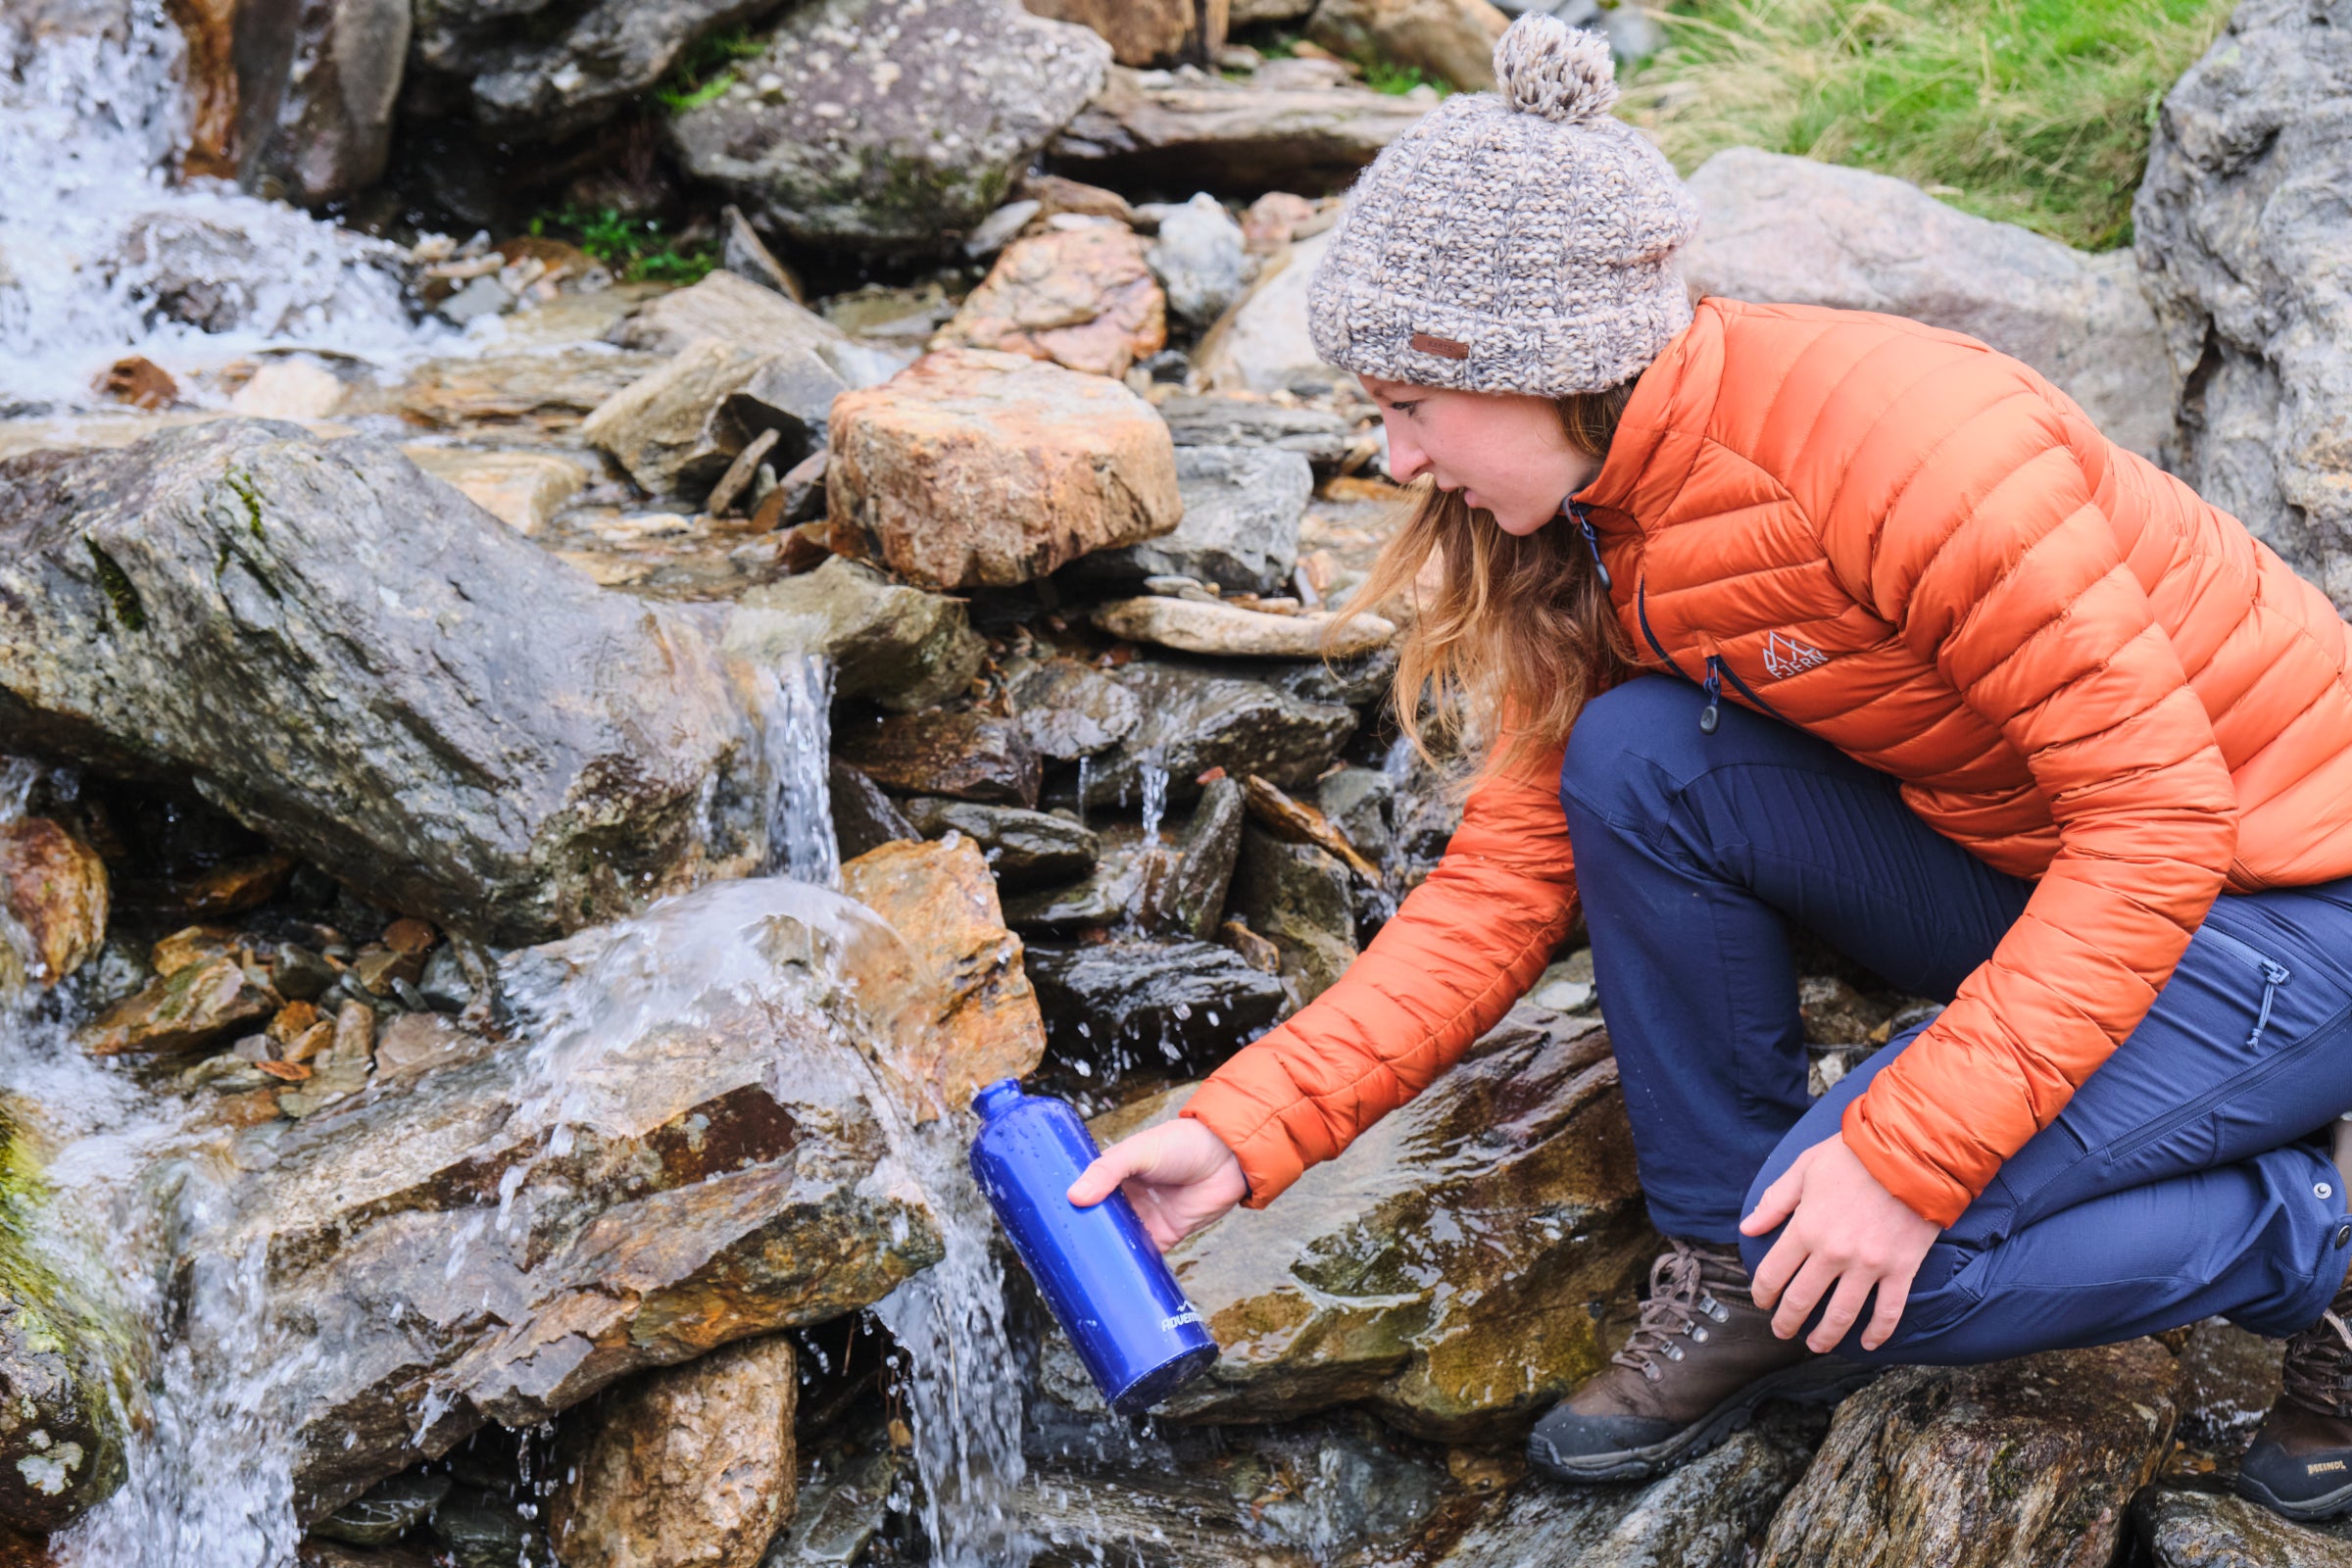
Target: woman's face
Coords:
[(1502, 451)]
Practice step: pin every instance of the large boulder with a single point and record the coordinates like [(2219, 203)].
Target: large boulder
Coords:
[(533, 72), (2246, 242), (1157, 130), (1448, 1267), (1776, 229), (1083, 298), (890, 124), (293, 98), (359, 664), (973, 468), (687, 1147), (2033, 1461)]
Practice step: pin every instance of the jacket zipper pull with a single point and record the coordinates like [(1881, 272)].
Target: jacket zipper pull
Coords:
[(1712, 714), (2274, 975), (1583, 520)]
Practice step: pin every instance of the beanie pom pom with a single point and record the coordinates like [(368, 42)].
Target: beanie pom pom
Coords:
[(1544, 67)]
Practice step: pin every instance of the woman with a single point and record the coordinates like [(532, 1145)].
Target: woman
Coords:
[(2005, 713)]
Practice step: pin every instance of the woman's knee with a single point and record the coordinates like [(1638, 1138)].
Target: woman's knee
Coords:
[(1644, 719)]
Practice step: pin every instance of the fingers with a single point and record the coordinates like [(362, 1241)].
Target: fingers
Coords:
[(1779, 1198), (1853, 1288), (1803, 1294), (1779, 1265), (1894, 1293), (1110, 1168)]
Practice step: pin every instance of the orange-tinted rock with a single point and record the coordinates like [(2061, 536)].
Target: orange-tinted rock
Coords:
[(409, 935), (972, 468), (238, 885), (1083, 298), (1144, 32), (180, 1011), (691, 1464), (194, 944), (140, 382), (979, 1021), (53, 888)]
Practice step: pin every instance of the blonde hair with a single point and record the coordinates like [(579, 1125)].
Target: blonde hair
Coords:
[(1510, 635)]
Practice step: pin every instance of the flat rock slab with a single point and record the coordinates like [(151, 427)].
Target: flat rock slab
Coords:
[(520, 489), (2202, 1530), (550, 390), (972, 469), (650, 1171), (361, 665), (1192, 719), (1790, 230), (1152, 131), (891, 124), (2033, 1461), (967, 756), (1138, 1002), (1448, 1265), (1198, 626)]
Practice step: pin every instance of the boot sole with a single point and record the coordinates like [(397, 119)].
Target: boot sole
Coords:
[(2327, 1505), (1808, 1382)]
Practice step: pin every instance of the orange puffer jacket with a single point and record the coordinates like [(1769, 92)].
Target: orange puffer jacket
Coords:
[(1919, 550)]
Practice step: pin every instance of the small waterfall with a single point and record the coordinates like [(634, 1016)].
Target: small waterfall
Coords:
[(1154, 781), (793, 707), (101, 254)]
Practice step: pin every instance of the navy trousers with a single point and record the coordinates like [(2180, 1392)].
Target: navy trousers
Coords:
[(2189, 1176)]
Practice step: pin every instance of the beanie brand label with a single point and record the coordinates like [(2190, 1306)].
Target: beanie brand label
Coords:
[(1445, 348)]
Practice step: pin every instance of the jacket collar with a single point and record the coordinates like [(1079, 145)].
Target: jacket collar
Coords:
[(1662, 431)]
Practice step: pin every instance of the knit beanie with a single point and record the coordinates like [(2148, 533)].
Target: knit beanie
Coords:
[(1521, 240)]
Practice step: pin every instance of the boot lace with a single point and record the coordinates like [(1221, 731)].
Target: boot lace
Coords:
[(2317, 1372), (1680, 1307)]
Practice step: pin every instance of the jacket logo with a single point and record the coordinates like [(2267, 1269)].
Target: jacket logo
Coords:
[(1784, 656)]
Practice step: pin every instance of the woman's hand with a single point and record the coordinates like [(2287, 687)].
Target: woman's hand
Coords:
[(1179, 1176), (1843, 1229)]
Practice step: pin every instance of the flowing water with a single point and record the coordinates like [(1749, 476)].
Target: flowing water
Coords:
[(103, 254)]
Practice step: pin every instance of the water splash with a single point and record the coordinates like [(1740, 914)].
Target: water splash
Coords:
[(1154, 781), (793, 705), (101, 254)]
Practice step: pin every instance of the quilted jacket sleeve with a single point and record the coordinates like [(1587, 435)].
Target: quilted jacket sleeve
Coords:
[(1461, 949), (1992, 560)]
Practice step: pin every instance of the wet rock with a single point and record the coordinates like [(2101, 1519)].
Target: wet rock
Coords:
[(902, 647), (1789, 229), (978, 1015), (2032, 1460), (1068, 710), (193, 1007), (535, 72), (972, 468), (386, 1512), (1142, 32), (418, 1042), (2249, 258), (863, 817), (549, 390), (1198, 626), (1449, 1267), (316, 80), (217, 277), (1191, 721), (739, 312), (1024, 849), (1297, 897), (520, 489), (1711, 1511), (1082, 298), (1358, 801), (1835, 1013), (1321, 437), (1261, 344), (1295, 821), (1240, 528), (1449, 40), (688, 1464), (888, 124), (1150, 131), (343, 605), (1134, 1002), (746, 255), (966, 756), (2201, 1530), (1193, 904), (476, 1529), (133, 379), (1199, 257), (53, 892), (727, 1174), (2228, 1381), (1124, 890), (676, 429), (841, 1511)]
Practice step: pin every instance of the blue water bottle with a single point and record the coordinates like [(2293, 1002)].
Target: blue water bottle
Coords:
[(1098, 1269)]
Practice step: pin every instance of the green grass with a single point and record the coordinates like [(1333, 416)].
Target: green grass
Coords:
[(1386, 75), (707, 69), (635, 248), (2036, 112)]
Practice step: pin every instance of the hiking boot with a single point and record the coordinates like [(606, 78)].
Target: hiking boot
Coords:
[(1699, 1362), (2300, 1463)]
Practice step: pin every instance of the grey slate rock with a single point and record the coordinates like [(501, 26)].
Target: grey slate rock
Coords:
[(1142, 1002), (903, 647), (896, 124), (1318, 435), (1195, 901), (1240, 530), (863, 816), (1024, 849), (1192, 719)]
